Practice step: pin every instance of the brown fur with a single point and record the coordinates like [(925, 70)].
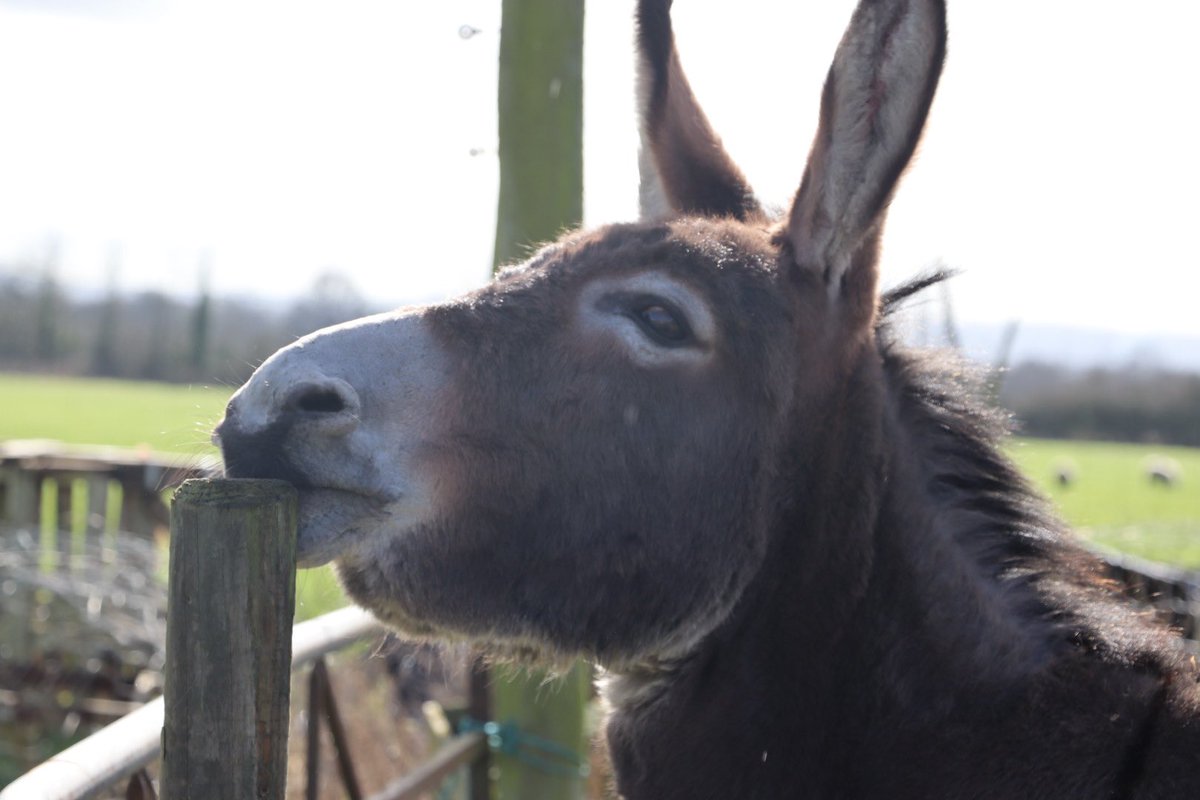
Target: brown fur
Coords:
[(797, 547)]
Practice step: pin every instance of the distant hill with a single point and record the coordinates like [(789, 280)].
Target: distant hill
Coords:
[(1077, 348)]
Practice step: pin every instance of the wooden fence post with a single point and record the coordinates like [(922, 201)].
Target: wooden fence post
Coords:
[(22, 497), (231, 598), (97, 510)]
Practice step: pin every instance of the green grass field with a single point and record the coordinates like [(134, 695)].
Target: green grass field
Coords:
[(163, 417), (1111, 501)]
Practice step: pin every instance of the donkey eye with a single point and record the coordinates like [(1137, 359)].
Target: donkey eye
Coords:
[(662, 323)]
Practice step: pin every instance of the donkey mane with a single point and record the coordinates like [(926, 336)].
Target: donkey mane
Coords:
[(1052, 585), (938, 398), (1056, 591)]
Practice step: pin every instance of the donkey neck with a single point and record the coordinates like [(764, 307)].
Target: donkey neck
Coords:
[(959, 540), (700, 725), (877, 601)]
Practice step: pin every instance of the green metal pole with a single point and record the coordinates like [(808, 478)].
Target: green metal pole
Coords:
[(541, 194), (541, 124)]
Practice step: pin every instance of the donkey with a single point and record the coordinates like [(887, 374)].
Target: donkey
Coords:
[(689, 450)]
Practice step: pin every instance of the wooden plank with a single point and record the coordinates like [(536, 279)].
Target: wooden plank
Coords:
[(49, 454), (22, 496), (97, 510), (142, 510), (65, 521), (231, 599), (16, 630)]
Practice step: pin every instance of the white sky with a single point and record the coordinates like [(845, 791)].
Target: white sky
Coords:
[(276, 139)]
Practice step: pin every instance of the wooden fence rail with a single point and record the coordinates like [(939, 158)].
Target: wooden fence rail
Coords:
[(1173, 593), (92, 478)]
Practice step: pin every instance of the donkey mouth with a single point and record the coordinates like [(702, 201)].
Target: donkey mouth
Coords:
[(332, 521), (331, 518)]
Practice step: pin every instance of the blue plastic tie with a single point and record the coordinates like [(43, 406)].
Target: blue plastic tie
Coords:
[(544, 755)]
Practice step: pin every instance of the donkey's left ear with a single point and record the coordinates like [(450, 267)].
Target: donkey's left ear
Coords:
[(684, 168), (873, 108)]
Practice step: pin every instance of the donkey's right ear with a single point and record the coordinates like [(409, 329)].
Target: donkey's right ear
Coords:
[(684, 169), (873, 108)]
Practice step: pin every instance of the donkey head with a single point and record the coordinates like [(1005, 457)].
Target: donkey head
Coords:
[(587, 455)]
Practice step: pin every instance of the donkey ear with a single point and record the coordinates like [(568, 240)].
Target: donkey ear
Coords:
[(684, 168), (873, 107)]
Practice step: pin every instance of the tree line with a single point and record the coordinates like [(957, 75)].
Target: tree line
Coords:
[(150, 335), (1135, 404)]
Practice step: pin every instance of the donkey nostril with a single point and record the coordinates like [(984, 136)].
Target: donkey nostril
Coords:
[(321, 401), (330, 404)]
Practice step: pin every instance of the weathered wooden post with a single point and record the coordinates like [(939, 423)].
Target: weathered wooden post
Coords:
[(22, 496), (97, 510), (231, 598)]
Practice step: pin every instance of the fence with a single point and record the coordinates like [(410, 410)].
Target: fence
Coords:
[(123, 750), (83, 618), (93, 490), (1173, 593), (62, 510), (65, 507), (222, 725)]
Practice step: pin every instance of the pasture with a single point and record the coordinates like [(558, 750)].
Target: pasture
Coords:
[(1110, 499), (162, 417)]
